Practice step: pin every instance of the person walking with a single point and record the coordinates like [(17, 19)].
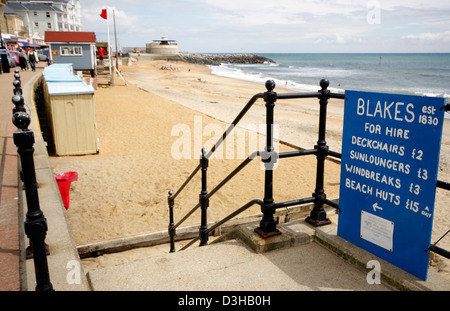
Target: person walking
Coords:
[(26, 53), (33, 59), (22, 60)]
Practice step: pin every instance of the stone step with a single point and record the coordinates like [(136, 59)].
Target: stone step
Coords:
[(302, 258)]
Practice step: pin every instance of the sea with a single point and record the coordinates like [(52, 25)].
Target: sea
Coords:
[(413, 74)]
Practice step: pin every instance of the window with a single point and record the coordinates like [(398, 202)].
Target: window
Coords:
[(35, 13), (47, 14), (71, 51), (49, 25), (36, 25)]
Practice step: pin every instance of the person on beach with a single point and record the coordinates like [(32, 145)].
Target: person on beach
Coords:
[(22, 60), (101, 53), (33, 59)]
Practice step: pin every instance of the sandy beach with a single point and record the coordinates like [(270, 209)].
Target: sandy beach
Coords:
[(122, 191)]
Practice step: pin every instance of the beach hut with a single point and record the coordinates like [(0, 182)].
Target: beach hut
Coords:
[(77, 48), (70, 109)]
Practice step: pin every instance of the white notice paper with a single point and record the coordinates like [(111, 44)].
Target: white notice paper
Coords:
[(377, 230)]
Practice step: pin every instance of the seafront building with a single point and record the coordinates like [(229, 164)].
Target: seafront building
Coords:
[(27, 21), (163, 46)]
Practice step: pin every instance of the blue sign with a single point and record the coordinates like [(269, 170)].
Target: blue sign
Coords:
[(390, 159)]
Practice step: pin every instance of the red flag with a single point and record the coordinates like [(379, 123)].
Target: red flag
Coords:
[(104, 14)]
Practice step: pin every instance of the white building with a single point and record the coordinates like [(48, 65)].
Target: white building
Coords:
[(40, 16)]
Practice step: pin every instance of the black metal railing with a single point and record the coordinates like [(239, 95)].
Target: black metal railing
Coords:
[(35, 223), (438, 250), (206, 232), (267, 226), (204, 199)]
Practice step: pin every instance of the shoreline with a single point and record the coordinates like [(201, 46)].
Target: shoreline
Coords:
[(122, 191), (288, 65), (224, 97)]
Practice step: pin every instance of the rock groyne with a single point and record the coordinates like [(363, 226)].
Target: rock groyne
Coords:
[(217, 59)]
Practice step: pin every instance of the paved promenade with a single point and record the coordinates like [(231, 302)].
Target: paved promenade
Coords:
[(10, 226)]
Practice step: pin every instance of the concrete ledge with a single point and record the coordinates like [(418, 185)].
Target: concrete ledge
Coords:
[(292, 234), (248, 235), (66, 272), (390, 274)]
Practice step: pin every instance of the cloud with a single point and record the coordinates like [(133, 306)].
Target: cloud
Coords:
[(274, 26), (429, 37), (126, 24), (281, 12)]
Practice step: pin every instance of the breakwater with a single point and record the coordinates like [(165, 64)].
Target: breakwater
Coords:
[(217, 59)]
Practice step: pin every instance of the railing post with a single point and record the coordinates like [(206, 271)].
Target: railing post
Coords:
[(204, 201), (17, 87), (35, 223), (268, 226), (318, 215), (17, 83), (18, 103), (172, 232)]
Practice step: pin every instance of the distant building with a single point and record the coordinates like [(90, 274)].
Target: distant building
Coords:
[(163, 46), (40, 16), (11, 22)]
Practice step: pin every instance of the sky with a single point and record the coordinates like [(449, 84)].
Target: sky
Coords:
[(281, 26)]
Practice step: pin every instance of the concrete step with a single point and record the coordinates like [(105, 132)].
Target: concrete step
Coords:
[(103, 80), (230, 266), (296, 260)]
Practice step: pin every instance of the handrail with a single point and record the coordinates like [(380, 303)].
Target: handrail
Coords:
[(241, 115), (443, 185), (440, 251), (268, 206), (220, 185), (309, 95), (235, 122), (203, 163), (437, 249), (187, 215), (187, 181), (220, 140), (224, 220), (234, 172)]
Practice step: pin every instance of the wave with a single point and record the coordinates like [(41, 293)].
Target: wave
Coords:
[(260, 74), (235, 72), (298, 78)]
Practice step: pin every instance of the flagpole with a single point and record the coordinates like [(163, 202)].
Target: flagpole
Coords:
[(109, 50), (115, 36)]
